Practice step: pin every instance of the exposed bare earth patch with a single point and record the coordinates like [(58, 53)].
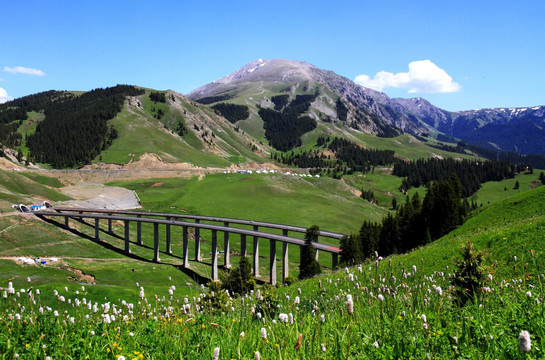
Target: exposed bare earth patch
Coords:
[(80, 275), (97, 196)]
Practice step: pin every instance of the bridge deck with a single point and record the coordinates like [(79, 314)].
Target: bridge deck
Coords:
[(328, 234), (179, 220)]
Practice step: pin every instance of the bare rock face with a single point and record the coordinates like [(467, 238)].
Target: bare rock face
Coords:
[(134, 102)]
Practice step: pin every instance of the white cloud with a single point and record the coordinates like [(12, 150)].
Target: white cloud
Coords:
[(4, 96), (423, 77), (24, 70)]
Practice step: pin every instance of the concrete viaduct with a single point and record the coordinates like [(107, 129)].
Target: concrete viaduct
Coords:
[(219, 224)]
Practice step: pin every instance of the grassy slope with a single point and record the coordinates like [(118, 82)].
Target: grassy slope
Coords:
[(498, 190), (509, 227), (138, 134), (274, 198), (138, 129), (24, 187), (29, 127), (486, 330)]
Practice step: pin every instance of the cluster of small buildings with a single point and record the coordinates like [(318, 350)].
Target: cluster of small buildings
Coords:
[(30, 261), (268, 172)]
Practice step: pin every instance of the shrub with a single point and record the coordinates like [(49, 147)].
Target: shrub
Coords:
[(239, 280), (290, 280)]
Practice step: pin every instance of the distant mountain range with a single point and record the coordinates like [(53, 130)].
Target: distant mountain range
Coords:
[(520, 130)]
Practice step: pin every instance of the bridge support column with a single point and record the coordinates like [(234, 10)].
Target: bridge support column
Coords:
[(214, 255), (127, 250), (243, 251), (110, 231), (97, 236), (139, 231), (285, 265), (198, 256), (334, 260), (256, 253), (66, 223), (272, 266), (186, 245), (227, 261), (169, 247), (156, 243)]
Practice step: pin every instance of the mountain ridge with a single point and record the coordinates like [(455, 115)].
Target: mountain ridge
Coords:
[(490, 128)]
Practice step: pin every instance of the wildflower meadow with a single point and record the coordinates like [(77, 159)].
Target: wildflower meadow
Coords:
[(376, 311)]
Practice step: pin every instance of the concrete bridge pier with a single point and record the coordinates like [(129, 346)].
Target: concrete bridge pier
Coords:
[(127, 250), (256, 253), (227, 262), (169, 247), (185, 247), (110, 230), (334, 260), (198, 256), (97, 229), (156, 242), (214, 255), (139, 231), (272, 266), (285, 266), (243, 251)]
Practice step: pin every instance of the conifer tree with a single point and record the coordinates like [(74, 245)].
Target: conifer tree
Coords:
[(351, 252), (308, 266), (469, 274)]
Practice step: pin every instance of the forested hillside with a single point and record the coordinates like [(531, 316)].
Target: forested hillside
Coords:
[(284, 128), (472, 173), (75, 130), (415, 223), (13, 113)]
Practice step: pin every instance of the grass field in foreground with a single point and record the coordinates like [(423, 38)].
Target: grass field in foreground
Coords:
[(366, 312)]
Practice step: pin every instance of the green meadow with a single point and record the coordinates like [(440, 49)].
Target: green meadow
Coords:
[(398, 307)]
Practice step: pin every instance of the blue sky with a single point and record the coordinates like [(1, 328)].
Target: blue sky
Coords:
[(457, 54)]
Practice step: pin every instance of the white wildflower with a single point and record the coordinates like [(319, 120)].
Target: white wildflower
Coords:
[(525, 344), (216, 354), (350, 305)]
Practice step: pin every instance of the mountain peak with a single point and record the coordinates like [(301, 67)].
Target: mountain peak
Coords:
[(261, 70), (269, 70)]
